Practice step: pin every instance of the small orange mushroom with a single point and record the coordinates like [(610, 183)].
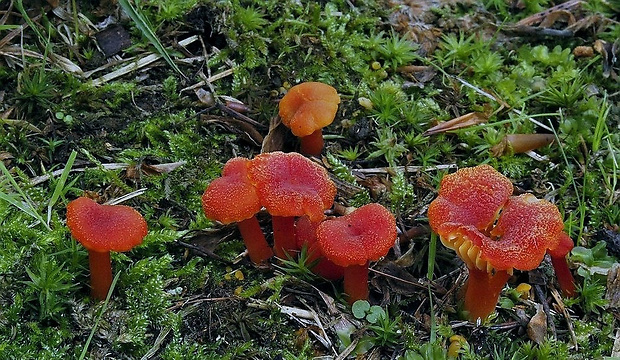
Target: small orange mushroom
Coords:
[(290, 185), (101, 229), (232, 198), (353, 240), (306, 109), (492, 231), (305, 235)]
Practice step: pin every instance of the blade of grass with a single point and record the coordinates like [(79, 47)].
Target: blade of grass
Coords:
[(144, 26), (432, 249), (580, 198), (21, 201), (60, 185), (600, 125), (103, 307)]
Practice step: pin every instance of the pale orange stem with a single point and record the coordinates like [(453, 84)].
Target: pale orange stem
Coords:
[(356, 282), (284, 236), (564, 276), (312, 144), (254, 240), (482, 292), (100, 273)]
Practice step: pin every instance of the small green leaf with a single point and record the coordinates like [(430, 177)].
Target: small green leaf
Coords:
[(360, 308)]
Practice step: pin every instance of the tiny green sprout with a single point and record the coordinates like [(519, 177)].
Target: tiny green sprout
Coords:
[(350, 154), (487, 63), (397, 51), (300, 267), (455, 49), (565, 94), (388, 146), (249, 19), (66, 118)]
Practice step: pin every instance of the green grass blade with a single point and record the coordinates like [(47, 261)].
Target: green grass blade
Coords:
[(143, 24), (432, 249), (103, 308), (60, 185), (25, 204)]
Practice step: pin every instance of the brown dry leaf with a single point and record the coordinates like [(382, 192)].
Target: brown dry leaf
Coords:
[(521, 143), (235, 125), (418, 73), (583, 51), (204, 96), (136, 171), (274, 140), (463, 121), (537, 327), (5, 155), (613, 287), (608, 52), (399, 280)]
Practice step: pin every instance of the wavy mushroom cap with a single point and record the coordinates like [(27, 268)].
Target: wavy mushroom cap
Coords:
[(289, 184), (365, 234), (308, 107), (471, 196), (104, 228), (231, 197), (475, 215)]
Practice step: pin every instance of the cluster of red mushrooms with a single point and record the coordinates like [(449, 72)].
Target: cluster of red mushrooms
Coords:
[(296, 192), (475, 214)]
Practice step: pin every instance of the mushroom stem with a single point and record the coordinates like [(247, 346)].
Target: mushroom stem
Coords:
[(482, 292), (254, 240), (356, 282), (564, 276), (100, 273), (312, 144), (284, 236)]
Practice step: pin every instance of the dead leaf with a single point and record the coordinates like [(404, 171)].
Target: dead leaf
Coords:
[(537, 327), (613, 287), (521, 143), (235, 125), (274, 140), (463, 121)]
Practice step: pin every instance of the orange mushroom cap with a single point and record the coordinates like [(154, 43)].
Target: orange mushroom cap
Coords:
[(231, 197), (493, 230), (308, 107), (288, 184), (471, 196), (366, 234), (104, 228)]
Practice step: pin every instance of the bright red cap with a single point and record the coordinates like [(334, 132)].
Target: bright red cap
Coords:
[(104, 228), (231, 198), (475, 215), (365, 234), (288, 184), (308, 107), (470, 196)]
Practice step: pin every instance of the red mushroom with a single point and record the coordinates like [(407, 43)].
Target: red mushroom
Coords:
[(562, 272), (288, 186), (305, 235), (232, 198), (353, 240), (492, 231), (306, 109), (101, 229)]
